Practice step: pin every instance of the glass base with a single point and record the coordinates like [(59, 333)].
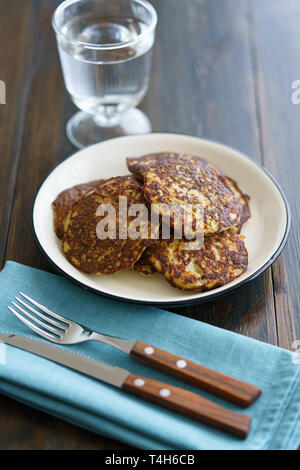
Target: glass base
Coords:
[(83, 128)]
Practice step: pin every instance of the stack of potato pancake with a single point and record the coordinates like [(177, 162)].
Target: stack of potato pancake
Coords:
[(159, 181)]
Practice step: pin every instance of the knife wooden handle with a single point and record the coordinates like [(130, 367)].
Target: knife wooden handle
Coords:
[(234, 390), (188, 404)]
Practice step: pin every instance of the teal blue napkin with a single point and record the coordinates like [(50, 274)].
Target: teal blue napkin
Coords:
[(108, 411)]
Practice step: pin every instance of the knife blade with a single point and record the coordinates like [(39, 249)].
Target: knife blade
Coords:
[(174, 398), (112, 375)]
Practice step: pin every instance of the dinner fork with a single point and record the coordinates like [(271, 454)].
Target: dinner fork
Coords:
[(62, 330)]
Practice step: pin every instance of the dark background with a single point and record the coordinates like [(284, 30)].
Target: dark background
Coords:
[(222, 69)]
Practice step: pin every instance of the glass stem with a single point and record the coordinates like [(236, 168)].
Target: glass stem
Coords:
[(109, 116)]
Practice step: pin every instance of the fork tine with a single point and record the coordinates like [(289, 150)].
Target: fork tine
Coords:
[(34, 327), (46, 310), (36, 320), (48, 319)]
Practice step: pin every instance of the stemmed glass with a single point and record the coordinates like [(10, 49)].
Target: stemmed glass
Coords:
[(105, 48)]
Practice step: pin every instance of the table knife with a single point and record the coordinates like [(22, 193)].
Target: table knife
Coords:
[(174, 398)]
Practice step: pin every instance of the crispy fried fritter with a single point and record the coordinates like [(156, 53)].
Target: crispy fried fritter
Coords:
[(65, 201), (81, 243), (139, 166), (222, 259), (185, 182)]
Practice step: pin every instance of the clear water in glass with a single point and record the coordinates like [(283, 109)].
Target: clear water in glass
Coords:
[(106, 82)]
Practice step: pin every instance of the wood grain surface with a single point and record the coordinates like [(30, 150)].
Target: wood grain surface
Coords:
[(222, 70)]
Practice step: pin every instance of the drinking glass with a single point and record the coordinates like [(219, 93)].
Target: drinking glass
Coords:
[(105, 49)]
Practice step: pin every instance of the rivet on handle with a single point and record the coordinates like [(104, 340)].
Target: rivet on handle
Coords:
[(139, 382), (181, 364), (149, 350), (164, 392)]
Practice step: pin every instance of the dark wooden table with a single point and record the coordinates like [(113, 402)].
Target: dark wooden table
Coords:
[(223, 69)]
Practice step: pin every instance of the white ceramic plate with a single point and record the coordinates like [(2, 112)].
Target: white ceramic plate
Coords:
[(265, 233)]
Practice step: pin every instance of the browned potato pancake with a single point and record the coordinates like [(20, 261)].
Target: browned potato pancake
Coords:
[(183, 182), (65, 201), (222, 259), (81, 243), (139, 166)]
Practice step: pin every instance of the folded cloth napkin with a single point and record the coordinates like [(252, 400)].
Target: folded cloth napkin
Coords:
[(109, 411)]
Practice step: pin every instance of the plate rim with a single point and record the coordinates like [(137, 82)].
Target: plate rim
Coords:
[(166, 303)]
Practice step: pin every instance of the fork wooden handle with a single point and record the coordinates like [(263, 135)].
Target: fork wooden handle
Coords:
[(188, 404), (232, 389)]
